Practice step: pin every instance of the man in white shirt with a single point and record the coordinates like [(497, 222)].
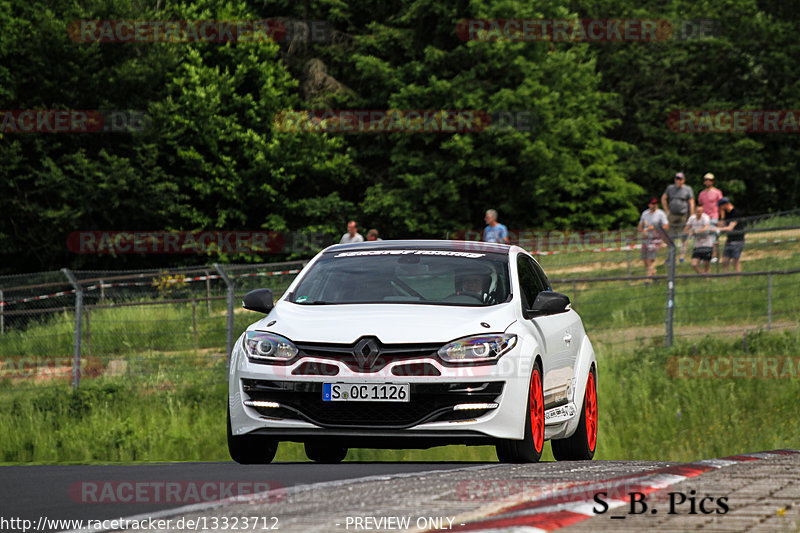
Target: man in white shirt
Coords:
[(651, 224), (352, 234), (699, 225)]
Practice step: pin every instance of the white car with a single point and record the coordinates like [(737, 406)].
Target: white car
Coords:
[(413, 344)]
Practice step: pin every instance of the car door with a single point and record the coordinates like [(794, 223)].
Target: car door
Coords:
[(551, 329), (573, 334)]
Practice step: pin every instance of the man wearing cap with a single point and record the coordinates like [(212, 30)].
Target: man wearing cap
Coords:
[(708, 198), (735, 242), (678, 203), (651, 220)]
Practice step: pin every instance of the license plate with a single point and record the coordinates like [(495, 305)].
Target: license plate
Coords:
[(365, 392)]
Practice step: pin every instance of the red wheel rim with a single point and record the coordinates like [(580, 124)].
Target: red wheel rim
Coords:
[(537, 411), (590, 407)]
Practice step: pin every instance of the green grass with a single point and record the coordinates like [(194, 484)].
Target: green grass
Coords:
[(112, 421), (646, 414)]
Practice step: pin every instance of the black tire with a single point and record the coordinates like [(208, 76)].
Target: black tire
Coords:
[(251, 449), (325, 452), (525, 450), (578, 447)]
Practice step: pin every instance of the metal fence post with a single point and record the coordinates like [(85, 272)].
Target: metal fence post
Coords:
[(76, 354), (88, 332), (628, 258), (194, 323), (769, 301), (669, 320), (575, 295), (229, 327), (208, 291), (670, 296), (2, 307)]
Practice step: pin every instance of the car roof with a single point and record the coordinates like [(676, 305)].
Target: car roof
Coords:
[(461, 246)]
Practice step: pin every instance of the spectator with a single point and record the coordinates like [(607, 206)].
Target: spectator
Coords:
[(699, 225), (651, 222), (708, 198), (373, 235), (352, 234), (678, 203), (735, 241), (494, 231)]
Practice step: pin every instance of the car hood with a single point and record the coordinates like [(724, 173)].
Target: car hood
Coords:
[(391, 323)]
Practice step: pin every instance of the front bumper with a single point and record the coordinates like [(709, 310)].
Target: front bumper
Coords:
[(428, 402), (275, 400)]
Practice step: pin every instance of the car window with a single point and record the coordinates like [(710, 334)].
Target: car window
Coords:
[(437, 277), (544, 283), (528, 282)]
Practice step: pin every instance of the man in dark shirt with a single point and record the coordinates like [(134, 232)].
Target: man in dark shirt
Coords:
[(678, 204), (735, 228)]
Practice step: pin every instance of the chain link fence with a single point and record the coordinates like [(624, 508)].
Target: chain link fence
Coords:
[(625, 309), (157, 328)]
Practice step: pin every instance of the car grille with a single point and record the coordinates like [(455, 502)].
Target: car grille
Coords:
[(388, 353), (429, 402)]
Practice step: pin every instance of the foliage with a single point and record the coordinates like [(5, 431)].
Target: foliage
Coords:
[(212, 159), (170, 286), (209, 159)]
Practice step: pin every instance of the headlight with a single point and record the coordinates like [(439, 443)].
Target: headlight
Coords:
[(262, 346), (476, 349)]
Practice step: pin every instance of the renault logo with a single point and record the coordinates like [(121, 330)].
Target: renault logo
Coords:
[(367, 351)]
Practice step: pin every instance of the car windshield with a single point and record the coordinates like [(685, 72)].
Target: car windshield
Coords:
[(435, 277)]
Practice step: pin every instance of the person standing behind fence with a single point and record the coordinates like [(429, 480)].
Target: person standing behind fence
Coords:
[(708, 198), (651, 222), (373, 235), (494, 231), (678, 203), (699, 225), (352, 234), (735, 241)]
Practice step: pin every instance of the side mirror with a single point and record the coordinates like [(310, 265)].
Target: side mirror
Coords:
[(258, 300), (549, 303)]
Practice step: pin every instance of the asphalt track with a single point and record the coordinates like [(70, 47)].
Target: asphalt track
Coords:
[(58, 492), (761, 492)]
